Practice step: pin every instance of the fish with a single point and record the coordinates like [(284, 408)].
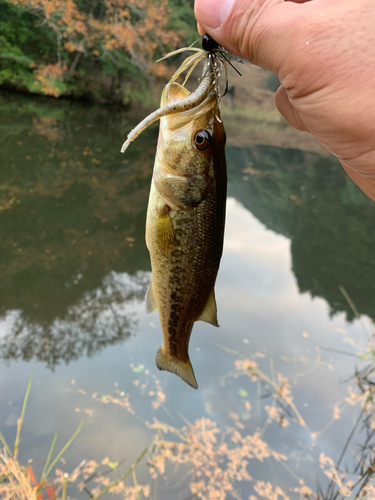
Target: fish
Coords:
[(186, 209)]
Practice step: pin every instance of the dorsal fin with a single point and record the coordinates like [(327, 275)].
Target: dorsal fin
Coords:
[(209, 313)]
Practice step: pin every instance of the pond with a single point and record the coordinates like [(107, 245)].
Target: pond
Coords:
[(284, 405)]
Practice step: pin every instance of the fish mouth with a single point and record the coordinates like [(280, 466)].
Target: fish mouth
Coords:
[(173, 92), (176, 92)]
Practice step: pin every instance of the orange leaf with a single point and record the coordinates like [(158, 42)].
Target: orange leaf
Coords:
[(51, 491), (30, 473)]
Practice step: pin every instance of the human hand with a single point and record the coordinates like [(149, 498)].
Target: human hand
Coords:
[(323, 52)]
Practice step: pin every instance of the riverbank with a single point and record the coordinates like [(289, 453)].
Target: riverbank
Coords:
[(248, 110)]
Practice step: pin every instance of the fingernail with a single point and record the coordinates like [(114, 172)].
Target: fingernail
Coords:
[(212, 13)]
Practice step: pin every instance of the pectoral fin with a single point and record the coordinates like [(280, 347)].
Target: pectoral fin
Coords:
[(151, 304), (209, 313), (164, 232)]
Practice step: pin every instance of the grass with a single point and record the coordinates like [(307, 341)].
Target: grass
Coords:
[(18, 482)]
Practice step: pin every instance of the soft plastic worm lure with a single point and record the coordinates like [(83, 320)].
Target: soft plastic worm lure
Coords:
[(216, 61)]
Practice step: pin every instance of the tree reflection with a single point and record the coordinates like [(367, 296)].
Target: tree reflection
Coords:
[(99, 319), (72, 210), (310, 199), (72, 214)]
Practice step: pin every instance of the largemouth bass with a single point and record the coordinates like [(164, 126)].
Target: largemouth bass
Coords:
[(186, 212)]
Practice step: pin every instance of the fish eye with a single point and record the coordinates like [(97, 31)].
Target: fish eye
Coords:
[(202, 139)]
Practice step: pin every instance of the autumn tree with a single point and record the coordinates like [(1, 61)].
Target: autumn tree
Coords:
[(116, 38)]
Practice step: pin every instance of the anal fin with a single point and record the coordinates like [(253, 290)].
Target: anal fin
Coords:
[(151, 304), (209, 313)]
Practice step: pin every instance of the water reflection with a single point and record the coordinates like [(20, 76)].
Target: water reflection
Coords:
[(72, 210), (72, 215), (261, 446), (309, 199), (75, 267), (99, 319)]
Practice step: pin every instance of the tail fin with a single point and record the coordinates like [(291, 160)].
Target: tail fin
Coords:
[(183, 370)]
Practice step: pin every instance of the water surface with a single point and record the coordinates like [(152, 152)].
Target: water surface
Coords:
[(295, 296)]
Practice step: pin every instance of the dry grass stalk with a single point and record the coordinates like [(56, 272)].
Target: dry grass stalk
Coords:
[(16, 484)]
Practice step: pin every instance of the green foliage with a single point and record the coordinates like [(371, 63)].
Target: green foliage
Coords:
[(137, 94), (181, 18), (20, 32), (65, 53), (22, 42)]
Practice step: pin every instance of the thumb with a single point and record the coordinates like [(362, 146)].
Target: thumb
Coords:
[(263, 31)]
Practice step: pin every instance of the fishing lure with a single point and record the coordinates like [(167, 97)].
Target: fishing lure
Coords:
[(217, 59)]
